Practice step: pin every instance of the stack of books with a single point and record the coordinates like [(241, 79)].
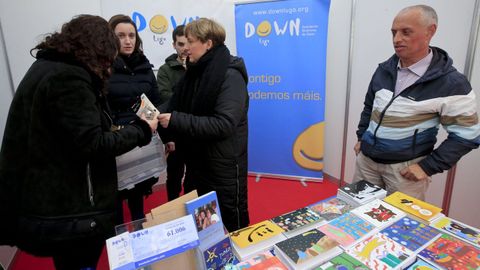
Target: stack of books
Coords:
[(379, 213), (361, 192), (381, 252), (411, 234), (331, 208), (458, 229), (263, 260), (298, 221), (418, 209), (449, 252), (348, 229), (343, 262), (307, 250), (256, 238)]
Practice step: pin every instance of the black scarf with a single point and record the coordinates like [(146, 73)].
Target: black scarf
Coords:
[(198, 92)]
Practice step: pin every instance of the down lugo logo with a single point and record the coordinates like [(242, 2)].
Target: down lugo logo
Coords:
[(308, 147), (264, 28), (158, 24)]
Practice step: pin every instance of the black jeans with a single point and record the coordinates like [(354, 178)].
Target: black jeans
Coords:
[(175, 171)]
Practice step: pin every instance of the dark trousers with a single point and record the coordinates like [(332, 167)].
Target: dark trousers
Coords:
[(175, 171), (134, 199)]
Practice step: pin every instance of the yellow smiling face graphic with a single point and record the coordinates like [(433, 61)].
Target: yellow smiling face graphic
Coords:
[(158, 24), (308, 147), (264, 29)]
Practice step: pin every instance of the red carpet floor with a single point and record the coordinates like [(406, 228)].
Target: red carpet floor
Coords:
[(267, 198)]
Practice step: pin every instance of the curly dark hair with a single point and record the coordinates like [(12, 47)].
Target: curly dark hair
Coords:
[(120, 18), (89, 39)]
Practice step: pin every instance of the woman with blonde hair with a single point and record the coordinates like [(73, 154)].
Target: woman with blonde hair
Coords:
[(207, 119)]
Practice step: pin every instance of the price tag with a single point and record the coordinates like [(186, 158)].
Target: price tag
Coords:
[(164, 240), (119, 251)]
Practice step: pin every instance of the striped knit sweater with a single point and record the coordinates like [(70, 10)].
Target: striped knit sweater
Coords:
[(399, 128)]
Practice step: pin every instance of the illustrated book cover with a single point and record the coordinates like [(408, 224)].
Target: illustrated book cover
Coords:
[(449, 252), (458, 229), (347, 229), (256, 238), (307, 249), (418, 208), (262, 261), (220, 255), (381, 252), (297, 221), (343, 262), (411, 233), (379, 213), (331, 208), (360, 192), (422, 265), (208, 219)]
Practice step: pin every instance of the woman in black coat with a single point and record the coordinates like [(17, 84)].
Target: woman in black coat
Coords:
[(132, 76), (207, 118), (58, 180)]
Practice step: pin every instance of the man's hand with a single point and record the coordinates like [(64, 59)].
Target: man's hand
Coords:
[(414, 173), (356, 148), (169, 147)]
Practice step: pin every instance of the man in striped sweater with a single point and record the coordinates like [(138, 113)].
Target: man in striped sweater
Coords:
[(409, 96)]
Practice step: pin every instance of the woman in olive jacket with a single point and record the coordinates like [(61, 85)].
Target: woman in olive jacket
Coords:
[(132, 76), (58, 182)]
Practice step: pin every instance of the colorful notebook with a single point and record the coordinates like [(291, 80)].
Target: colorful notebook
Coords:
[(411, 233), (255, 238), (360, 192), (458, 229), (347, 229), (379, 213), (381, 252), (331, 208), (262, 261), (297, 221), (343, 262), (448, 252), (219, 255), (422, 265), (307, 249), (418, 208)]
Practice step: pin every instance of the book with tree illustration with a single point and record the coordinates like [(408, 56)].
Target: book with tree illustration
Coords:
[(411, 233), (458, 229), (307, 250)]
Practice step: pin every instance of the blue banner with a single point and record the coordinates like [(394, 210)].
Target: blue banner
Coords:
[(284, 47)]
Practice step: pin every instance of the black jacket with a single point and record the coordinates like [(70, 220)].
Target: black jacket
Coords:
[(131, 77), (210, 128), (58, 177)]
